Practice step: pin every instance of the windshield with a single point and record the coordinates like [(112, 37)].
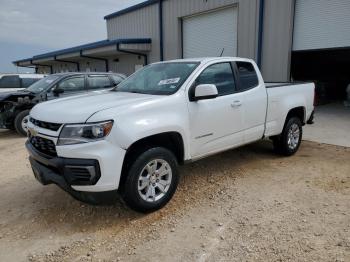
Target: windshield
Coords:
[(42, 84), (158, 79)]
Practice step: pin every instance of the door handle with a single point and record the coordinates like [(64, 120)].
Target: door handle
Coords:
[(236, 104)]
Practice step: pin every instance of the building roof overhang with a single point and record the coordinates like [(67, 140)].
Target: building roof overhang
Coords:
[(102, 48)]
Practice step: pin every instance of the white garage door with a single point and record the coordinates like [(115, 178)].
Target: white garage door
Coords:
[(211, 34), (321, 24)]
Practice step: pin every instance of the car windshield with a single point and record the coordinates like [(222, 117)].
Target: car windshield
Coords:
[(42, 84), (158, 79)]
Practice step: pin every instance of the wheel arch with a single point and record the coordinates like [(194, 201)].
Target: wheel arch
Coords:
[(299, 112), (173, 141)]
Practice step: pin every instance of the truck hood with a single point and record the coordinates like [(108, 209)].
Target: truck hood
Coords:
[(79, 109)]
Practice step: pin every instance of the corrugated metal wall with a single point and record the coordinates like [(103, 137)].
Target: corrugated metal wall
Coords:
[(321, 24), (211, 34), (92, 65), (125, 64), (142, 23), (277, 39), (175, 10)]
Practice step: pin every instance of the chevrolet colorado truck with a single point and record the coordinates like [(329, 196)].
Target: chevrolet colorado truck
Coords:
[(131, 139)]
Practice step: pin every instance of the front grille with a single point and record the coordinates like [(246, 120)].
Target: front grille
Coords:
[(46, 125), (43, 145)]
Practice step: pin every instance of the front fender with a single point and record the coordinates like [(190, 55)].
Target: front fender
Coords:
[(169, 114)]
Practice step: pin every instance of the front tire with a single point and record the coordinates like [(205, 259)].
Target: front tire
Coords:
[(21, 122), (289, 141), (151, 180)]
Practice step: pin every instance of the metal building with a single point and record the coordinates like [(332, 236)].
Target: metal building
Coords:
[(288, 38)]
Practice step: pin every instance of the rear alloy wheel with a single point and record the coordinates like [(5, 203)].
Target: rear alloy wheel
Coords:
[(21, 122), (293, 136), (151, 180), (289, 141)]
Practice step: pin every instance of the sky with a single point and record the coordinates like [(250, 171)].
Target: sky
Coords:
[(32, 27)]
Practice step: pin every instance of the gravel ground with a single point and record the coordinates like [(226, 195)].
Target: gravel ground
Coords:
[(242, 205)]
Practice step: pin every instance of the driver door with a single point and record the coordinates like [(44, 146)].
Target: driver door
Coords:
[(216, 124)]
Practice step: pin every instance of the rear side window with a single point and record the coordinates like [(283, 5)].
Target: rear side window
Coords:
[(10, 82), (247, 76), (99, 82), (220, 75)]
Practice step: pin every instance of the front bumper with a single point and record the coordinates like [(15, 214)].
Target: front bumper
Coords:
[(64, 172), (89, 167)]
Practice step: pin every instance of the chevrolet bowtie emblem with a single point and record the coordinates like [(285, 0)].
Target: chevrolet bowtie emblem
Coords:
[(33, 131)]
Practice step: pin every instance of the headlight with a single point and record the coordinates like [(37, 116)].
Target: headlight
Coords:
[(84, 133)]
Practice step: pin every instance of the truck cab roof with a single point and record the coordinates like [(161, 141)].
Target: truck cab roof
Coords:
[(207, 59)]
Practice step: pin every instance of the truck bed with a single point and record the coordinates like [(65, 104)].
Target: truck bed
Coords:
[(280, 84), (282, 97)]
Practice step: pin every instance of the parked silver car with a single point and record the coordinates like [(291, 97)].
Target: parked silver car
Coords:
[(15, 105)]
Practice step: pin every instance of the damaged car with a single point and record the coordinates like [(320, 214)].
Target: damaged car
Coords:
[(15, 106)]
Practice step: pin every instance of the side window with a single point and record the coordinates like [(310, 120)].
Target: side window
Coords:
[(26, 82), (10, 82), (247, 76), (99, 82), (72, 84), (220, 75)]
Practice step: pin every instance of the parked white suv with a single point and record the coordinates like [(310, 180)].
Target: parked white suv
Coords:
[(15, 82), (132, 138)]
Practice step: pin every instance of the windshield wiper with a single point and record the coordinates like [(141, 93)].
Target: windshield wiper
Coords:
[(128, 91)]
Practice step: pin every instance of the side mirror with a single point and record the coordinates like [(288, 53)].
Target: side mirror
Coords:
[(57, 91), (206, 91)]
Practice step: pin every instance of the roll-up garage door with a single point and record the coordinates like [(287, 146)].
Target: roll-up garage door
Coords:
[(321, 24), (211, 34)]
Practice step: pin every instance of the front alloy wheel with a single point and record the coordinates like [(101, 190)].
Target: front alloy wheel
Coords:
[(24, 123), (155, 180), (151, 180), (21, 122)]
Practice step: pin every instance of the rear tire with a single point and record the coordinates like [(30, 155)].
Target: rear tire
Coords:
[(151, 180), (21, 121), (288, 142)]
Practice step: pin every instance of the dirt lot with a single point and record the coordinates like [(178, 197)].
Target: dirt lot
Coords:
[(242, 205)]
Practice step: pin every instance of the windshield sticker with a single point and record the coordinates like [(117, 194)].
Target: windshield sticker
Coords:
[(49, 81), (169, 81)]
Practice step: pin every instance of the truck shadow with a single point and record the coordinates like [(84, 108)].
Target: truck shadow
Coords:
[(50, 209), (7, 133)]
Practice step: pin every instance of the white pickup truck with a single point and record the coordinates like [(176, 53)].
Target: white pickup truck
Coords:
[(131, 140)]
